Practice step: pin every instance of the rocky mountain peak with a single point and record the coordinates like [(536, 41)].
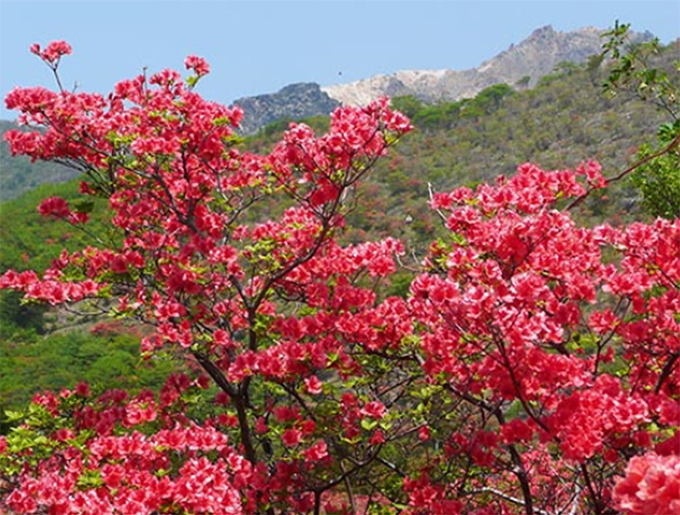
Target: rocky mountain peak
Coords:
[(534, 57), (542, 32), (294, 101)]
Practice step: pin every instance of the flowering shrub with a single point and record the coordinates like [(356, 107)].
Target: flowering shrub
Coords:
[(531, 362)]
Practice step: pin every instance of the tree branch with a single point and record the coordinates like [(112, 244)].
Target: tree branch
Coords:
[(672, 145)]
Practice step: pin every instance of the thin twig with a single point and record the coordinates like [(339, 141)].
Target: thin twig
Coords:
[(673, 144), (431, 194)]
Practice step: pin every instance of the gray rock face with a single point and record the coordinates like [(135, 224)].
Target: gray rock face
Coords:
[(294, 101)]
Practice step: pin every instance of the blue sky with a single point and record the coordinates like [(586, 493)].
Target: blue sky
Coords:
[(258, 47)]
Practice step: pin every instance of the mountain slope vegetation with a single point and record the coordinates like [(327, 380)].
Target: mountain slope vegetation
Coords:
[(562, 122)]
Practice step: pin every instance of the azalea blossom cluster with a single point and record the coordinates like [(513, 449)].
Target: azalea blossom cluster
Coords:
[(54, 51), (563, 339), (532, 367), (136, 472), (651, 485)]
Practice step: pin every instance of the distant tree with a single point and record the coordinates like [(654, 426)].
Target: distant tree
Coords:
[(565, 68), (594, 67), (408, 104), (523, 83), (491, 98)]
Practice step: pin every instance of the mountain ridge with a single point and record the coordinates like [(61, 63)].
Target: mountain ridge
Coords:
[(532, 58), (521, 65)]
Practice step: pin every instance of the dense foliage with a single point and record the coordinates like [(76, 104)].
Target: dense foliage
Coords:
[(633, 73), (106, 355), (532, 366)]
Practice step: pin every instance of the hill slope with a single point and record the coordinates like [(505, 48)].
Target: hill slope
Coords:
[(18, 174)]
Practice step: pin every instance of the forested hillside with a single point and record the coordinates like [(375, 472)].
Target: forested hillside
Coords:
[(565, 120)]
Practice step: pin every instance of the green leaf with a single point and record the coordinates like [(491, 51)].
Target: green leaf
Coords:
[(368, 425), (84, 206), (90, 479), (13, 416)]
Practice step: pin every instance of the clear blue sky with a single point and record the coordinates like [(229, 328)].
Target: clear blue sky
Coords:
[(258, 47)]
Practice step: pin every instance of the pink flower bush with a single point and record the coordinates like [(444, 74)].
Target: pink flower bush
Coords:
[(530, 359)]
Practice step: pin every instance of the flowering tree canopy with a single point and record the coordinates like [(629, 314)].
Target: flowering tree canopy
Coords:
[(532, 368)]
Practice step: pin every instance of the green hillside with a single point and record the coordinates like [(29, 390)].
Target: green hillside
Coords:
[(562, 122), (51, 349), (565, 120), (18, 174)]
